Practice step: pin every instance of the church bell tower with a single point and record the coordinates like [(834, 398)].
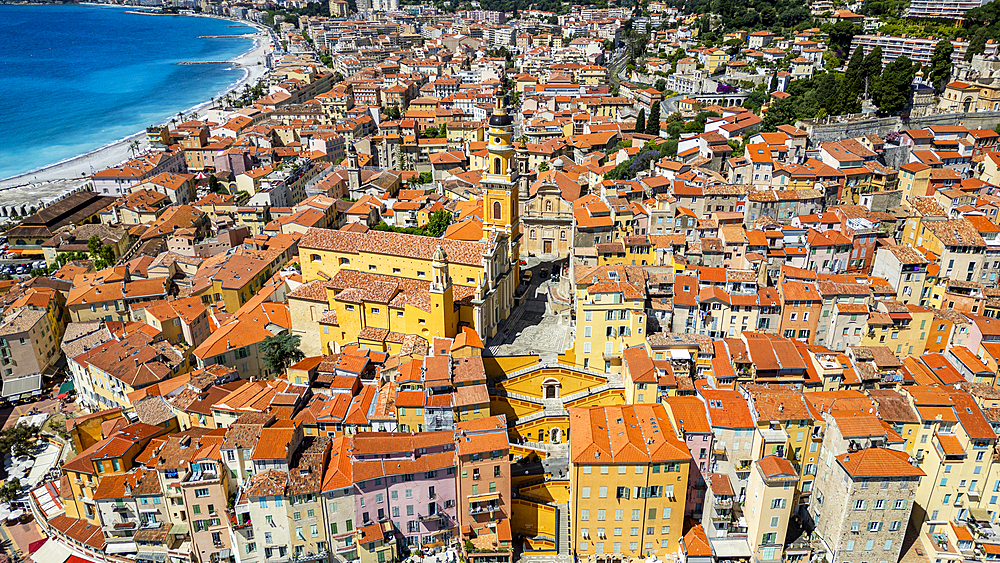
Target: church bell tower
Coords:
[(500, 182)]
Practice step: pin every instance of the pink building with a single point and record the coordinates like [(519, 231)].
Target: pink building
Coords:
[(410, 479), (691, 421)]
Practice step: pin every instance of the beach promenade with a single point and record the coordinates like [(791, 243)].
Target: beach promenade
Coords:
[(49, 183)]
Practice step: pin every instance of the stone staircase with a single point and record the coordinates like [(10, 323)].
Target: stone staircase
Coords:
[(562, 532)]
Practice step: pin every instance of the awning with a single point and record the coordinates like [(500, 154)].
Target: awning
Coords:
[(485, 496), (26, 251), (680, 355), (121, 547), (730, 548), (225, 554), (21, 386), (52, 552), (178, 529), (979, 514), (156, 556), (67, 386)]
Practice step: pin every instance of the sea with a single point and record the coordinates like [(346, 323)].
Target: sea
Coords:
[(76, 78)]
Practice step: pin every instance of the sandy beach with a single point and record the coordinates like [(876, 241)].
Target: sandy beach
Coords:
[(67, 175)]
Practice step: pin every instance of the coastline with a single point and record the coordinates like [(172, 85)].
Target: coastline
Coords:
[(76, 170)]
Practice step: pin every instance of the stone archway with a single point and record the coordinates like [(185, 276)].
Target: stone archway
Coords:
[(555, 435)]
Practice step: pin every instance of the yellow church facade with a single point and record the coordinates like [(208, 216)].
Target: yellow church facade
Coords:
[(376, 288)]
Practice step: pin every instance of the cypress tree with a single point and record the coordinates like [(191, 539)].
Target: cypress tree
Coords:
[(653, 123), (640, 121)]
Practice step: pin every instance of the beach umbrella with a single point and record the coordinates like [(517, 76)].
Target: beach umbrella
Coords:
[(16, 514)]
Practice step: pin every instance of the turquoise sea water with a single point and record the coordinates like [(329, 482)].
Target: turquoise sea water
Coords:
[(75, 78)]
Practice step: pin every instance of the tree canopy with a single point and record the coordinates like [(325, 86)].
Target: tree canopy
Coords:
[(18, 439), (437, 224), (941, 64), (653, 123), (748, 15), (893, 87), (281, 351)]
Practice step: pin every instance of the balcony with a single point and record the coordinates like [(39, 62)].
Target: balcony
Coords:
[(483, 508), (310, 556), (202, 476), (723, 503), (238, 521), (345, 548)]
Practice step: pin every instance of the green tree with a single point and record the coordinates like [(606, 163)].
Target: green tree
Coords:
[(669, 148), (674, 129), (215, 186), (871, 68), (840, 36), (19, 439), (438, 223), (543, 167), (847, 99), (780, 112), (102, 254), (11, 490), (661, 85), (640, 120), (978, 43), (281, 351), (893, 89), (653, 123), (755, 101), (941, 64), (94, 245)]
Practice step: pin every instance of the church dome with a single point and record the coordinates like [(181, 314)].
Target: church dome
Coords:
[(439, 255), (504, 120)]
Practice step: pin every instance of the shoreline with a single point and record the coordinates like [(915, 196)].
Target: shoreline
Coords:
[(79, 168)]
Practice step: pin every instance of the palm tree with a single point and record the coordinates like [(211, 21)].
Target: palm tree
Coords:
[(134, 147)]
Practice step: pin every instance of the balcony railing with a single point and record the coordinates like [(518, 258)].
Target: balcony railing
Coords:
[(483, 509), (310, 556)]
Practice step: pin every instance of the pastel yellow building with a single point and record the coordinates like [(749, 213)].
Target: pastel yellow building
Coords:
[(610, 313), (901, 328), (628, 480)]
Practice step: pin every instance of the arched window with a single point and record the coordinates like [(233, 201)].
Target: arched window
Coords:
[(532, 234), (497, 208), (496, 165), (562, 235), (548, 205)]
